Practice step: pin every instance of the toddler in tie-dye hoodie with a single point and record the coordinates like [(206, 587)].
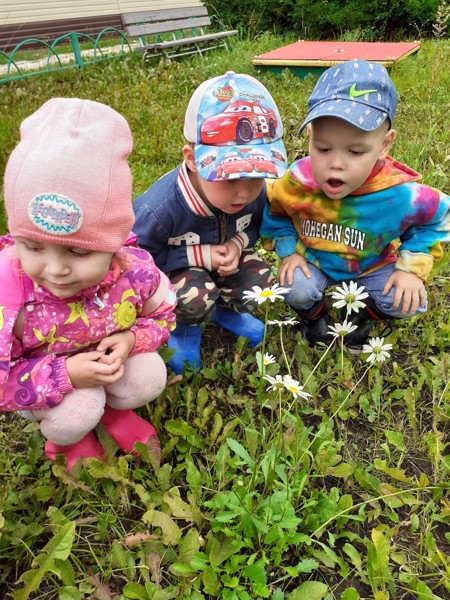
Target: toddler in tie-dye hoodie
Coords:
[(349, 211)]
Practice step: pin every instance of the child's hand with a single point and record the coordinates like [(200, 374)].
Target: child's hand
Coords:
[(288, 265), (225, 258), (409, 291), (86, 371), (116, 347)]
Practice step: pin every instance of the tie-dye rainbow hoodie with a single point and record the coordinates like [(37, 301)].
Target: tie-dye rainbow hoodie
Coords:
[(390, 218)]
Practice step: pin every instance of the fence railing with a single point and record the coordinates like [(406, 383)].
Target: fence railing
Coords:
[(13, 67)]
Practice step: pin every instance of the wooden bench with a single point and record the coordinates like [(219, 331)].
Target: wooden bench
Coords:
[(186, 26)]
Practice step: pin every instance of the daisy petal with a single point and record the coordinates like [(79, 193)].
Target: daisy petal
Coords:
[(260, 295)]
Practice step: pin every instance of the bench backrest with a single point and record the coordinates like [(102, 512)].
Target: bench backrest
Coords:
[(160, 21)]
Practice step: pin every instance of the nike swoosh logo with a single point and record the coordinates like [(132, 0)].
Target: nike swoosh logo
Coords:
[(354, 93)]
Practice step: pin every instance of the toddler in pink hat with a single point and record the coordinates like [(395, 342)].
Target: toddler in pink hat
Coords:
[(82, 309)]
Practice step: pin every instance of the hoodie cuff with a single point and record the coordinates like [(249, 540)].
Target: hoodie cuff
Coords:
[(418, 263)]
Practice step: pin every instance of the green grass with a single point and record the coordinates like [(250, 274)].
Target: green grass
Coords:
[(341, 496)]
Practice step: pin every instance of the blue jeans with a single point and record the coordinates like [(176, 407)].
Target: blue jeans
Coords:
[(306, 292)]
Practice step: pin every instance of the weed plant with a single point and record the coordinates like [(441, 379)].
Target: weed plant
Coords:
[(286, 472)]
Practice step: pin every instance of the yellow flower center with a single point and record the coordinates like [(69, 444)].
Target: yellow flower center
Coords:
[(266, 294)]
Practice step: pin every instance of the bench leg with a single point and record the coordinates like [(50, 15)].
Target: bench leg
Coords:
[(167, 55), (199, 50)]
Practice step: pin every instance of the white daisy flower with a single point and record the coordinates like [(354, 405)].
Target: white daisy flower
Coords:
[(261, 295), (276, 382), (264, 361), (378, 350), (294, 387), (341, 329), (268, 359), (349, 296), (290, 321)]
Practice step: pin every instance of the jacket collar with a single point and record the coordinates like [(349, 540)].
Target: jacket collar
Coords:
[(192, 198)]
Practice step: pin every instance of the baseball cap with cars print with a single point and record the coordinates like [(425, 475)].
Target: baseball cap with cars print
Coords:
[(357, 91), (236, 129)]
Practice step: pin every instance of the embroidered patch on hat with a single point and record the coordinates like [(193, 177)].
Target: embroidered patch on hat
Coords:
[(224, 93), (55, 214)]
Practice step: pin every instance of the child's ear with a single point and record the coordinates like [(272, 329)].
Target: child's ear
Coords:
[(189, 158), (387, 142)]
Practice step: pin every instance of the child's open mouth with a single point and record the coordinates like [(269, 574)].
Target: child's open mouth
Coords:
[(333, 186), (335, 183)]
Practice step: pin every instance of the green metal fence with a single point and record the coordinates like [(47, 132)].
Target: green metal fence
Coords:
[(53, 59)]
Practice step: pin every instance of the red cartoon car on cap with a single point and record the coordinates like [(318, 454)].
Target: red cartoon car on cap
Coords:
[(233, 163), (262, 164), (241, 121)]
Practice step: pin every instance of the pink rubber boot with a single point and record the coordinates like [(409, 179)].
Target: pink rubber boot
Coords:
[(87, 447), (126, 428)]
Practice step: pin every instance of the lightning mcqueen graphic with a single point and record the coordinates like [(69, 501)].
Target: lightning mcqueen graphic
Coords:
[(233, 164), (240, 121), (262, 164)]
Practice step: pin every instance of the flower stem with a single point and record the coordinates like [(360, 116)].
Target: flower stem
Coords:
[(288, 366)]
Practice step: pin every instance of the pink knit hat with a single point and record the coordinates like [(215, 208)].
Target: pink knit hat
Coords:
[(68, 181)]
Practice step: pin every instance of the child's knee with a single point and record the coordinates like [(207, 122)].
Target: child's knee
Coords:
[(255, 271), (384, 309), (144, 379), (304, 292), (383, 306), (79, 413)]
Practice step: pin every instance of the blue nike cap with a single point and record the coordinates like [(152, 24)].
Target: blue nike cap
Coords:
[(359, 92)]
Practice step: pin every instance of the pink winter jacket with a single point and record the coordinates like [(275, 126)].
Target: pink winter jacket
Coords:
[(33, 374)]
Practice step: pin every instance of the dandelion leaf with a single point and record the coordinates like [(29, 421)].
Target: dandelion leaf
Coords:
[(240, 451), (59, 547), (171, 533), (220, 550), (309, 590), (189, 545)]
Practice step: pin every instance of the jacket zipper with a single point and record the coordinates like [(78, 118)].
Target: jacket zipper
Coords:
[(222, 218)]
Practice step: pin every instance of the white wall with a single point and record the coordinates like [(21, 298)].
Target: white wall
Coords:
[(31, 11)]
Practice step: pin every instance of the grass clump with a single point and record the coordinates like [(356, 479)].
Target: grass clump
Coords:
[(286, 474)]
